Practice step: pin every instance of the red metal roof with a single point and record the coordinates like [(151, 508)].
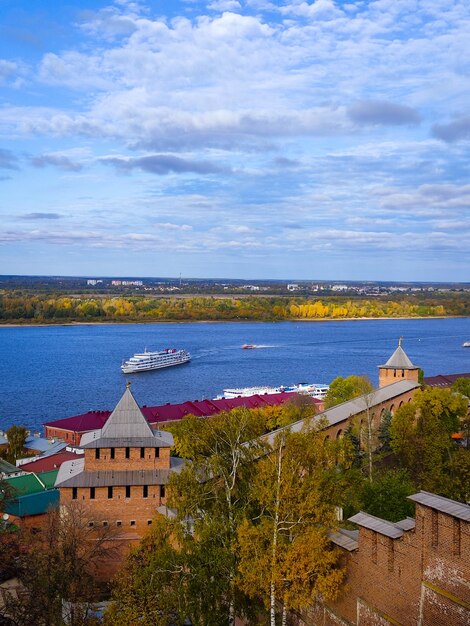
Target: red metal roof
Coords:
[(94, 420), (48, 463), (443, 380)]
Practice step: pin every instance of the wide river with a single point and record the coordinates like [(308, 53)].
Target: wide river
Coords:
[(48, 373)]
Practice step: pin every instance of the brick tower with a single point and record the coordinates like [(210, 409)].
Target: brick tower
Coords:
[(123, 474), (398, 367)]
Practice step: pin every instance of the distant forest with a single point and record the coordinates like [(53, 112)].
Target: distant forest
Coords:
[(20, 307)]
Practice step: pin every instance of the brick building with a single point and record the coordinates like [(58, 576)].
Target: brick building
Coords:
[(124, 472), (71, 429), (415, 572), (398, 367)]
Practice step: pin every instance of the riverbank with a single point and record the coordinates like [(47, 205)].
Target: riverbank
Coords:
[(225, 321)]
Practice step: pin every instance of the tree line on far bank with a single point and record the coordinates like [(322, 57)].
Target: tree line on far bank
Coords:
[(41, 308)]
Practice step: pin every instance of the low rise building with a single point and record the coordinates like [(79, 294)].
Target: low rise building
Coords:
[(71, 429)]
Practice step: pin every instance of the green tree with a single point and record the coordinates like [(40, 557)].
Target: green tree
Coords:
[(16, 436), (344, 389), (384, 431), (285, 555), (421, 435), (386, 496), (462, 386)]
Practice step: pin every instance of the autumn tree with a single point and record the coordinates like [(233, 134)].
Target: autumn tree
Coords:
[(58, 569), (149, 589), (286, 558), (196, 553), (462, 386), (421, 436)]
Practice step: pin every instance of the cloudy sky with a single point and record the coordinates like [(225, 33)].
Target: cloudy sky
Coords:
[(236, 138)]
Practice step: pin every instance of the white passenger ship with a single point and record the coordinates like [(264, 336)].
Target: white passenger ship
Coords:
[(317, 391), (155, 360)]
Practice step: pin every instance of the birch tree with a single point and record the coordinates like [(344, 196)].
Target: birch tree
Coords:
[(286, 558)]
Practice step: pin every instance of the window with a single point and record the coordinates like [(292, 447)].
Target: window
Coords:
[(105, 523), (145, 491), (149, 522), (74, 493), (128, 453), (112, 453), (394, 373), (92, 493), (132, 522), (118, 522), (97, 453), (91, 524), (142, 453), (128, 491), (157, 452), (162, 491), (110, 492)]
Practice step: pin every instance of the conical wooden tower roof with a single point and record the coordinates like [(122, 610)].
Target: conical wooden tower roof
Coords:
[(399, 360), (127, 420), (126, 427)]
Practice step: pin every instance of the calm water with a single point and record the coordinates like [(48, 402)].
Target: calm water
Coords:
[(47, 373)]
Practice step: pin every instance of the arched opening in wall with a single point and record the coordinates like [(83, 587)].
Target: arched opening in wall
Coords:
[(326, 439), (339, 433), (392, 409), (409, 399), (401, 404)]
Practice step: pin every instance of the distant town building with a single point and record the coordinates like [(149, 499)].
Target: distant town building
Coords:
[(93, 282), (293, 287), (127, 283)]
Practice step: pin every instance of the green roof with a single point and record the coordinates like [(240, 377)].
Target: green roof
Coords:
[(48, 478), (32, 483), (25, 485)]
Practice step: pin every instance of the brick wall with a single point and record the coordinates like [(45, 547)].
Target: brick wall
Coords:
[(388, 376), (131, 514), (359, 421), (420, 579), (142, 459)]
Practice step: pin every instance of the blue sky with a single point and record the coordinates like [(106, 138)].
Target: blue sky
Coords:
[(249, 138)]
